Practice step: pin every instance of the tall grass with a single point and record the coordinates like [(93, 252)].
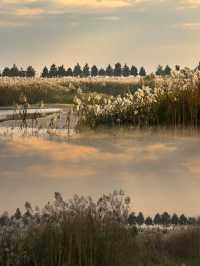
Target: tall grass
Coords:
[(60, 90), (81, 232), (174, 101)]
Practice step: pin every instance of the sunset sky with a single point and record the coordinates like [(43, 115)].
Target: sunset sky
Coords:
[(140, 32)]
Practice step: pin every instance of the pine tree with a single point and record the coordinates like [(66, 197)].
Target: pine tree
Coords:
[(134, 71), (142, 72), (94, 71), (157, 219), (126, 71), (102, 72), (174, 219), (148, 221), (167, 71), (86, 71), (69, 72), (22, 72), (61, 71), (53, 72), (6, 72), (45, 72), (118, 70), (166, 219), (109, 71), (14, 71), (132, 219), (159, 71), (140, 219), (30, 72), (183, 220), (77, 71)]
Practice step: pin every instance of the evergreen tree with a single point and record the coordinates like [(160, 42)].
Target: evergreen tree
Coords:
[(77, 71), (53, 72), (14, 71), (140, 219), (69, 72), (30, 72), (94, 71), (157, 219), (118, 70), (45, 72), (109, 71), (166, 219), (134, 71), (6, 72), (61, 71), (159, 71), (167, 70), (102, 72), (148, 221), (22, 73), (183, 220), (142, 72), (174, 219), (132, 219), (126, 71), (86, 70)]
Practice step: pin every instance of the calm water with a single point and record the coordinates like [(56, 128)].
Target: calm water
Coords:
[(159, 170)]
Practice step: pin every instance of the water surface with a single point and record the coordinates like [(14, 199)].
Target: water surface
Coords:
[(160, 170)]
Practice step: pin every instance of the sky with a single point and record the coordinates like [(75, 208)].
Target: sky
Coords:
[(139, 32)]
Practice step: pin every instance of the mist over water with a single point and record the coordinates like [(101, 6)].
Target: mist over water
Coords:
[(159, 169)]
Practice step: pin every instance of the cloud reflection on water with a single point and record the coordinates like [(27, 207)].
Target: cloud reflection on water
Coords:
[(159, 172)]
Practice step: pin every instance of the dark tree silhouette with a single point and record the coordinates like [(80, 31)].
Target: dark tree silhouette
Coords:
[(14, 71), (30, 72), (177, 67), (94, 71), (69, 72), (118, 70), (109, 71), (6, 72), (157, 219), (77, 71), (86, 70), (183, 220), (53, 72), (159, 71), (167, 71), (166, 219), (142, 72), (140, 219), (174, 219), (126, 71), (45, 72), (102, 72), (61, 71), (148, 221), (132, 219), (134, 71)]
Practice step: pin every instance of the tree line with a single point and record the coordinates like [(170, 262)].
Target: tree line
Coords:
[(164, 219), (117, 70)]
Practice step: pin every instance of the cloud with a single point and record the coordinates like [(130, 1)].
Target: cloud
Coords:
[(189, 4), (29, 11), (191, 25)]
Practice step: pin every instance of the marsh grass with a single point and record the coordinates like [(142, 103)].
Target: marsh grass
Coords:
[(82, 232)]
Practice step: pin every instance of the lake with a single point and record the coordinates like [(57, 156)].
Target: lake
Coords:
[(159, 169)]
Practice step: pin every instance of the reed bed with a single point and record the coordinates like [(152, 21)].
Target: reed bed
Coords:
[(60, 90), (82, 232), (174, 102)]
